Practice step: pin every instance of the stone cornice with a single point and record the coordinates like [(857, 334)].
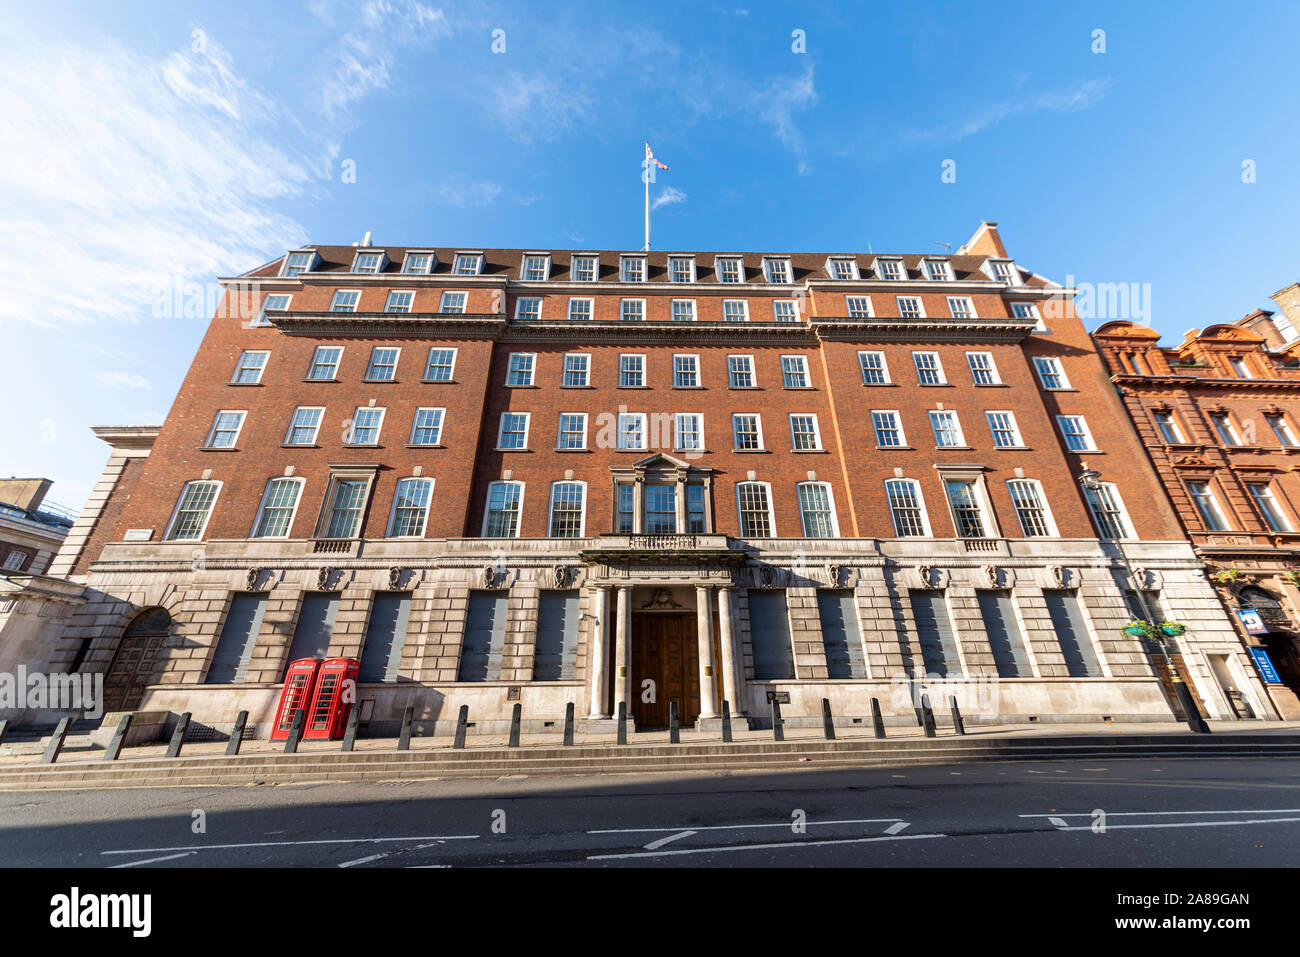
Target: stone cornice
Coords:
[(656, 332), (439, 325), (893, 328), (1184, 381)]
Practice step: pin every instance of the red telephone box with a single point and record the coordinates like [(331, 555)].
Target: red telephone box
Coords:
[(299, 682), (328, 715)]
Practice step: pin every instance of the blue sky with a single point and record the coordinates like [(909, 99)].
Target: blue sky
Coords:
[(148, 145)]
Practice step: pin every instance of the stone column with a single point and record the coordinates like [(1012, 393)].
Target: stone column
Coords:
[(733, 678), (597, 661), (704, 633), (679, 499), (622, 640)]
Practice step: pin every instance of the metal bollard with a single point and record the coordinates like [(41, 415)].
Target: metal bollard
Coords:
[(674, 726), (828, 723), (957, 722), (927, 716), (56, 742), (778, 727), (516, 718), (462, 722), (622, 723), (876, 720), (726, 720), (237, 733), (350, 735), (178, 736), (295, 732), (119, 736), (408, 719), (568, 725)]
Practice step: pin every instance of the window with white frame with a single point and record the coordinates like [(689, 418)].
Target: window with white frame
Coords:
[(982, 369), (1207, 506), (273, 302), (740, 372), (577, 370), (906, 508), (453, 302), (442, 363), (192, 511), (747, 432), (890, 269), (859, 307), (1074, 429), (929, 371), (1168, 426), (631, 430), (1002, 424), (536, 268), (1004, 271), (947, 429), (367, 421), (688, 431), (401, 300), (735, 310), (909, 307), (631, 268), (248, 371), (467, 264), (794, 372), (730, 269), (514, 431), (1031, 508), (426, 428), (1108, 511), (571, 433), (804, 434), (660, 509), (874, 369), (888, 429), (410, 508), (520, 369), (295, 264), (844, 267), (686, 371), (817, 510), (528, 308), (275, 514), (1050, 373), (683, 310), (632, 310), (581, 309), (383, 364), (568, 510), (776, 270), (1269, 509), (631, 370), (345, 300), (304, 425), (1239, 367), (1025, 310), (325, 363), (681, 269), (584, 268), (225, 430), (755, 508), (367, 262), (345, 504), (961, 307), (1223, 426), (785, 310), (501, 518), (418, 264), (937, 270), (1281, 429), (965, 500)]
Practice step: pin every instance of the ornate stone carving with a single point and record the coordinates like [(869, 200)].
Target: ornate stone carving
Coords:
[(489, 576), (835, 575), (993, 574), (662, 598), (562, 575), (323, 577), (1059, 576), (395, 575), (1140, 578), (254, 575), (926, 574), (766, 576)]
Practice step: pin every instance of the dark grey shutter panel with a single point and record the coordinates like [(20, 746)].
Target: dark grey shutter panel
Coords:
[(238, 636), (385, 635), (938, 646), (311, 637), (556, 655), (840, 634), (1072, 634), (769, 634), (485, 636), (1005, 639)]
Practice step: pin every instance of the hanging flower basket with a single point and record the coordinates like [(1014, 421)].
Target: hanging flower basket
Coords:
[(1140, 629), (1173, 628), (1227, 576), (1292, 576)]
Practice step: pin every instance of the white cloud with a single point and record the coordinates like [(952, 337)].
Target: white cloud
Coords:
[(461, 191), (1079, 97), (126, 380), (670, 196)]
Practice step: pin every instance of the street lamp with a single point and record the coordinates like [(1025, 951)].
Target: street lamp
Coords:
[(1090, 479)]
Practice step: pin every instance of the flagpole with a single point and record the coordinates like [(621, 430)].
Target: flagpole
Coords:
[(645, 175)]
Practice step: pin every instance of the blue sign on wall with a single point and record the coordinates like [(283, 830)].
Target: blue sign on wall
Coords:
[(1265, 665)]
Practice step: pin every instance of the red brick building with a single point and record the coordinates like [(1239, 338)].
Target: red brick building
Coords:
[(603, 477)]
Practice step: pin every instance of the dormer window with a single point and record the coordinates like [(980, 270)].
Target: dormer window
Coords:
[(937, 270), (537, 268), (842, 267), (584, 268), (889, 268), (1239, 367), (730, 269), (468, 264), (776, 270), (1004, 271), (631, 269), (368, 262), (419, 264), (299, 261), (681, 269)]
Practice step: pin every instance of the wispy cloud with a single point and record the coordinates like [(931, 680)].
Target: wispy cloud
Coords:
[(464, 192), (669, 196), (125, 380), (1081, 96)]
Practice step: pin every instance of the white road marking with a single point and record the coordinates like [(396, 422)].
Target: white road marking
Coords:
[(1056, 821), (654, 845), (152, 860), (737, 827), (761, 847), (897, 828), (1109, 814), (364, 860), (1125, 827), (341, 840)]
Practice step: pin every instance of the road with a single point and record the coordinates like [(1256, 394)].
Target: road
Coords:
[(1157, 813)]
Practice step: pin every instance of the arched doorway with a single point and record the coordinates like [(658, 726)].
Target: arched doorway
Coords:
[(1280, 641), (136, 659)]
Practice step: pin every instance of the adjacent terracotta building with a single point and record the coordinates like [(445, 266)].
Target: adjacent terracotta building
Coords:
[(1219, 415), (554, 476)]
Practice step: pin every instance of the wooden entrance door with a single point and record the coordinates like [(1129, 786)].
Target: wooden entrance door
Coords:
[(664, 650), (136, 660)]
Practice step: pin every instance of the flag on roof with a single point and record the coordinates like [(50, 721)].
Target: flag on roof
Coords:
[(650, 157)]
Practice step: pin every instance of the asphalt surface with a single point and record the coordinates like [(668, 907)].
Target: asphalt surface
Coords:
[(1227, 813)]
